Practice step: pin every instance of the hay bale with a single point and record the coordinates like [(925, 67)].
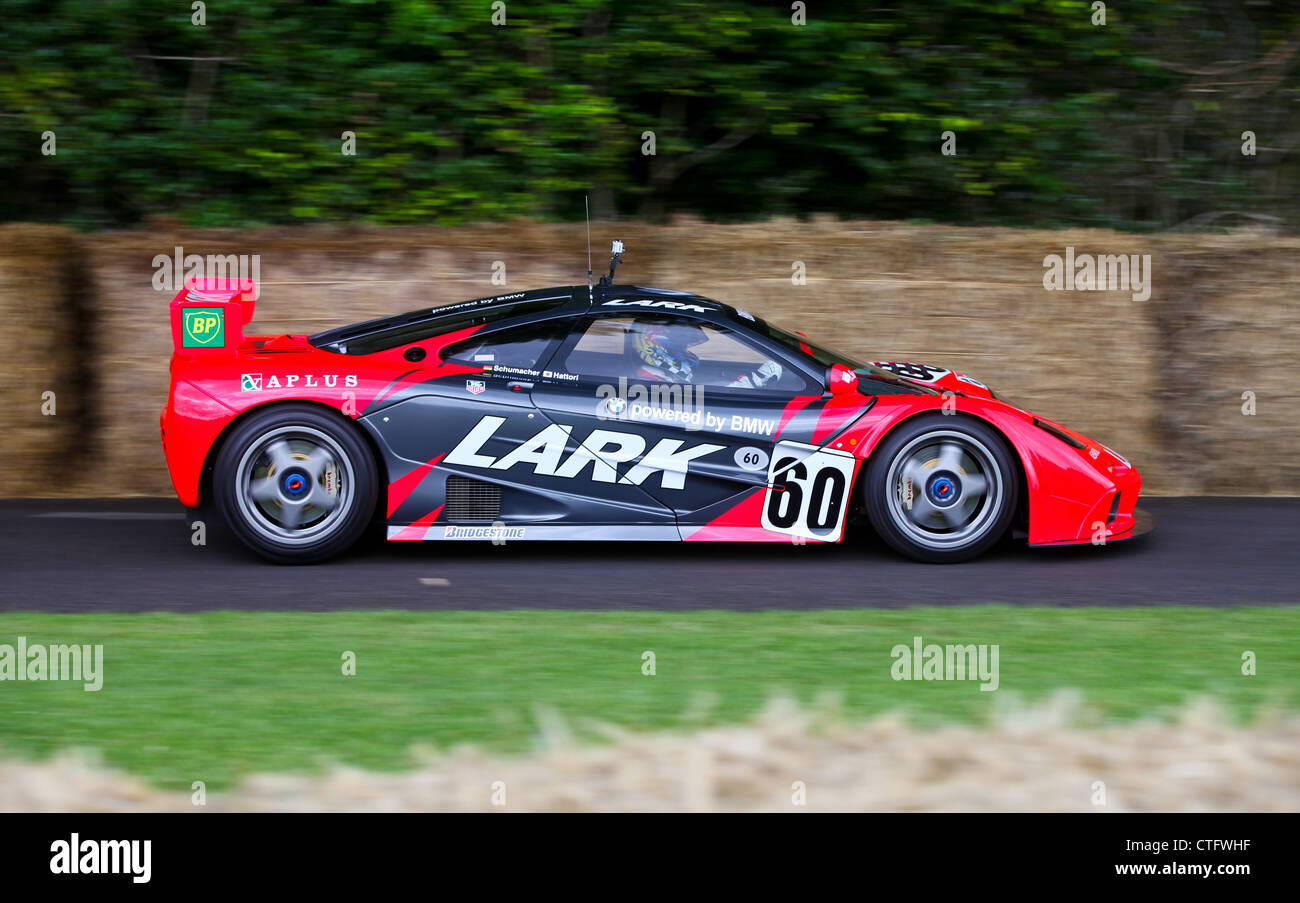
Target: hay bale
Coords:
[(1233, 327), (46, 340), (1158, 380)]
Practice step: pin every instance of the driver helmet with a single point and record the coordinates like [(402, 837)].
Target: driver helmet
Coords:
[(664, 350)]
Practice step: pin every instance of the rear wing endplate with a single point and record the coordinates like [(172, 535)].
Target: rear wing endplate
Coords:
[(208, 315)]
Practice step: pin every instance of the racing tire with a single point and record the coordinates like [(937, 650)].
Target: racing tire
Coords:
[(296, 484), (941, 488)]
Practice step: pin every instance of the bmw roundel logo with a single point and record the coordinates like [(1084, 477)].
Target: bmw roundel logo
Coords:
[(615, 404)]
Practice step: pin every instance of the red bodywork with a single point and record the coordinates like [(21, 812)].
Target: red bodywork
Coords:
[(1069, 492), (208, 394)]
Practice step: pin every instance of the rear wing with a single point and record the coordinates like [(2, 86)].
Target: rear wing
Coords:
[(208, 316)]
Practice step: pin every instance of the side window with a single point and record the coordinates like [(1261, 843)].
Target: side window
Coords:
[(600, 349), (522, 348), (655, 349)]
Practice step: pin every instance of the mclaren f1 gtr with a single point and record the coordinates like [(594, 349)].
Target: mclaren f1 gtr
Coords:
[(608, 412)]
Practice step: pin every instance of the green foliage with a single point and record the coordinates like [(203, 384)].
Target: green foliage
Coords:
[(1057, 121)]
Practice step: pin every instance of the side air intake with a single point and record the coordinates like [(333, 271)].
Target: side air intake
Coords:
[(471, 501)]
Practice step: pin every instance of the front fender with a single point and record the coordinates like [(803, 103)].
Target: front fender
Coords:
[(1070, 494)]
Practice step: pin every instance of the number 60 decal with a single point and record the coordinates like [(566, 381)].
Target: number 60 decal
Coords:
[(807, 491)]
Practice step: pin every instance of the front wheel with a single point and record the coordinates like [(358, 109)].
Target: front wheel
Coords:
[(941, 489), (296, 484)]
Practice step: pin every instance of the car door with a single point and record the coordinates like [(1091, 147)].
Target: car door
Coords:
[(696, 437), (425, 435), (537, 466)]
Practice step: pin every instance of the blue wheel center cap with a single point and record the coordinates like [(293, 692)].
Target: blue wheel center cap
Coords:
[(943, 489), (295, 483)]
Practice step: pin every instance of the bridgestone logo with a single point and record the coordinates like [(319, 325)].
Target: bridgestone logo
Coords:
[(493, 532)]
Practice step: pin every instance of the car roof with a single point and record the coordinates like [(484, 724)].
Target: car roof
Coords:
[(430, 321), (388, 332)]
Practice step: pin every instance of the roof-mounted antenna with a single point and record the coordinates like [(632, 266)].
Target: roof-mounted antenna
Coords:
[(586, 206)]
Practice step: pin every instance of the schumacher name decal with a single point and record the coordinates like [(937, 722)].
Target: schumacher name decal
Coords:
[(807, 491), (604, 450)]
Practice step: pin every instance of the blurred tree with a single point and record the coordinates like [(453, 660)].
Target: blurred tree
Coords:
[(1056, 120)]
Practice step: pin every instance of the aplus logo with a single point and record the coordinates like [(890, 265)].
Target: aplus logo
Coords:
[(250, 382), (203, 327)]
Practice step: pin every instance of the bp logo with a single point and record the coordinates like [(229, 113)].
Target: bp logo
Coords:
[(203, 327)]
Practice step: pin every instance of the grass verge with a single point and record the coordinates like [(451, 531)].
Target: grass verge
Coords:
[(216, 696)]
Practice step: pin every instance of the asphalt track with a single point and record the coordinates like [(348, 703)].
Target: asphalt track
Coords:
[(136, 555)]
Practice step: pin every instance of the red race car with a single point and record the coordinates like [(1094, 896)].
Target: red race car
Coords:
[(610, 412)]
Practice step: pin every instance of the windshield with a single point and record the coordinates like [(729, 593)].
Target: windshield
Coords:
[(825, 357), (801, 344)]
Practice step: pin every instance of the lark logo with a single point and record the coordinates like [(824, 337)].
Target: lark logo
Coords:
[(103, 857), (250, 382), (603, 450), (669, 305), (203, 327)]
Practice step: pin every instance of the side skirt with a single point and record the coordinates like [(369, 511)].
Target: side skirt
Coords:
[(566, 533)]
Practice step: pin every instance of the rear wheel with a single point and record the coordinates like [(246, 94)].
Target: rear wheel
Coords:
[(296, 484), (941, 489)]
